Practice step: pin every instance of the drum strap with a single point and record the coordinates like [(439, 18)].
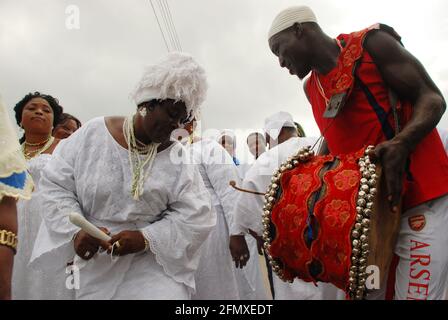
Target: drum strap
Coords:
[(394, 104)]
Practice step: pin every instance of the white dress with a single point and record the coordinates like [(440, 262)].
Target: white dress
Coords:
[(248, 215), (215, 277), (90, 174), (29, 284)]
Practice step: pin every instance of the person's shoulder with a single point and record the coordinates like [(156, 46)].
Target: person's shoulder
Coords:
[(88, 130), (97, 122), (382, 41), (211, 146), (307, 141), (53, 146)]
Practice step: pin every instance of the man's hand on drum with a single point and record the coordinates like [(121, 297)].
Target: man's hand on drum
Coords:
[(127, 242), (393, 156), (239, 250), (87, 246)]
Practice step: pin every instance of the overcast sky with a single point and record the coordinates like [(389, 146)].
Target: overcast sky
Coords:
[(91, 70)]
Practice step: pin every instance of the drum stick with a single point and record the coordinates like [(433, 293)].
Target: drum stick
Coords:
[(232, 183), (79, 220)]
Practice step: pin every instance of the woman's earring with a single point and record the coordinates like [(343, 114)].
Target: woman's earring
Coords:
[(143, 112)]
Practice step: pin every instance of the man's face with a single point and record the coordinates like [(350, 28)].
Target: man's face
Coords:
[(292, 52), (256, 145), (229, 144)]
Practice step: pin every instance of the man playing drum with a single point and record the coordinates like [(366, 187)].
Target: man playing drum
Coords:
[(352, 88)]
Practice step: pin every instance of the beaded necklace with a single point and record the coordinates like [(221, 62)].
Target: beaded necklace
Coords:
[(32, 154), (141, 158)]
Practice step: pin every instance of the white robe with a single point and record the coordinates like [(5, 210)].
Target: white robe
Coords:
[(251, 280), (27, 283), (444, 137), (249, 209), (215, 276), (90, 174)]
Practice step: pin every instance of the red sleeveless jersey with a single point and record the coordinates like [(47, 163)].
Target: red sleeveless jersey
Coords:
[(367, 119)]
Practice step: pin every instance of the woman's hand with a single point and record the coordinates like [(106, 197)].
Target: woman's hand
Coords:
[(87, 246), (127, 242)]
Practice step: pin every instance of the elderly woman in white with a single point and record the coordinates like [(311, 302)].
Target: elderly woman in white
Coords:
[(119, 173)]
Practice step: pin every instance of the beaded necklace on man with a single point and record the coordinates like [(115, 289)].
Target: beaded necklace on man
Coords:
[(141, 157)]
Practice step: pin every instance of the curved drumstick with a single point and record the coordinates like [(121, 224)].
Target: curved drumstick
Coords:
[(79, 220), (233, 185)]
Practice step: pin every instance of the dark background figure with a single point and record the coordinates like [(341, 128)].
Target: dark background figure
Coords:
[(300, 130)]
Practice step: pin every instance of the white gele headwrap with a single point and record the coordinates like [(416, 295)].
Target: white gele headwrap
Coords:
[(289, 16), (274, 124), (179, 77)]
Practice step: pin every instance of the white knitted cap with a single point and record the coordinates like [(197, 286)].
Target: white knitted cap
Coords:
[(289, 16), (179, 77)]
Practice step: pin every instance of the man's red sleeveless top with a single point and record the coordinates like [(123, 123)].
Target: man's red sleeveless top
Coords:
[(367, 118)]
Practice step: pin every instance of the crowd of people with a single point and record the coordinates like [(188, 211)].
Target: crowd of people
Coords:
[(182, 214)]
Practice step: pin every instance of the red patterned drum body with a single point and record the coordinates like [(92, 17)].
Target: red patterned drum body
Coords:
[(322, 220)]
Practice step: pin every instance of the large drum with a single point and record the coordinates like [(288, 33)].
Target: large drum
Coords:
[(326, 219)]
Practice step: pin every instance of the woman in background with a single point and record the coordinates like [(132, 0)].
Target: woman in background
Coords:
[(37, 114), (66, 126)]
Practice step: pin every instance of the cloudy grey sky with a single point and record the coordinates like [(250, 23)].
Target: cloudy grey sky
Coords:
[(92, 69)]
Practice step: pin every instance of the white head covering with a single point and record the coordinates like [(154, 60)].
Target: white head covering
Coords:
[(226, 133), (177, 77), (289, 16), (274, 124)]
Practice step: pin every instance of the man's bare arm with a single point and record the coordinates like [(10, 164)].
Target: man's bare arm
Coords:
[(407, 77)]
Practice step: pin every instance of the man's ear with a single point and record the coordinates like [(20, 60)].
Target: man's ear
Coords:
[(297, 28)]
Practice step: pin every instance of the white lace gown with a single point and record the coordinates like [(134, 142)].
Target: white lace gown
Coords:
[(29, 284), (90, 174), (215, 277), (248, 215)]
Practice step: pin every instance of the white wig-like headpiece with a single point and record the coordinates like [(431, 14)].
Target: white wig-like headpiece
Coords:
[(288, 17), (179, 77)]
